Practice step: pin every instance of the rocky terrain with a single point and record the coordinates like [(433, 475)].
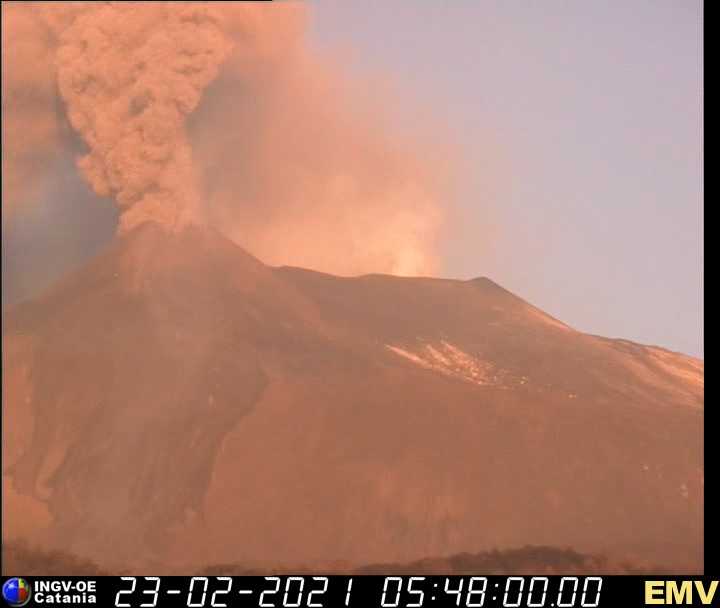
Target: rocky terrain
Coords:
[(177, 403)]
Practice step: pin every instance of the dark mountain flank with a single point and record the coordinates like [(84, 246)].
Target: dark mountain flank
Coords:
[(178, 402)]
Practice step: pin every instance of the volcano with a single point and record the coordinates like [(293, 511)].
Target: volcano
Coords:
[(177, 402)]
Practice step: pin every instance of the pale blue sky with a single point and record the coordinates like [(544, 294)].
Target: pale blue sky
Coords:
[(581, 126)]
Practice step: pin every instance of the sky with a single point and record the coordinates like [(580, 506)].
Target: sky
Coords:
[(581, 130)]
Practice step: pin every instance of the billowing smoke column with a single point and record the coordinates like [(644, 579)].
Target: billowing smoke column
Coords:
[(219, 113), (129, 77)]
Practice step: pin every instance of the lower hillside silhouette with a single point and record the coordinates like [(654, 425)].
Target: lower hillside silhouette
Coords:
[(177, 402), (19, 559)]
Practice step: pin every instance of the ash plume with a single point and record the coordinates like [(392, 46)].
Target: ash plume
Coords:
[(129, 77), (220, 113)]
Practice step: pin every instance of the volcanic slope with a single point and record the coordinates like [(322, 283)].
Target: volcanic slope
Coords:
[(178, 402)]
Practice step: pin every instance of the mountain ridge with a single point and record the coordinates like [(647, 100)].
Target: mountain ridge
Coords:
[(178, 393)]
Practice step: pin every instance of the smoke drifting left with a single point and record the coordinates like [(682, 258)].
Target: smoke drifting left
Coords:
[(30, 125), (216, 113)]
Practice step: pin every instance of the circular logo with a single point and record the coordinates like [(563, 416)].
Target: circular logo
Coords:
[(16, 591)]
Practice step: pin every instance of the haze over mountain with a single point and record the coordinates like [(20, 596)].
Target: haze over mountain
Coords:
[(178, 402)]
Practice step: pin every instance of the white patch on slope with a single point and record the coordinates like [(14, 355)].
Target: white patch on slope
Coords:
[(450, 360)]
